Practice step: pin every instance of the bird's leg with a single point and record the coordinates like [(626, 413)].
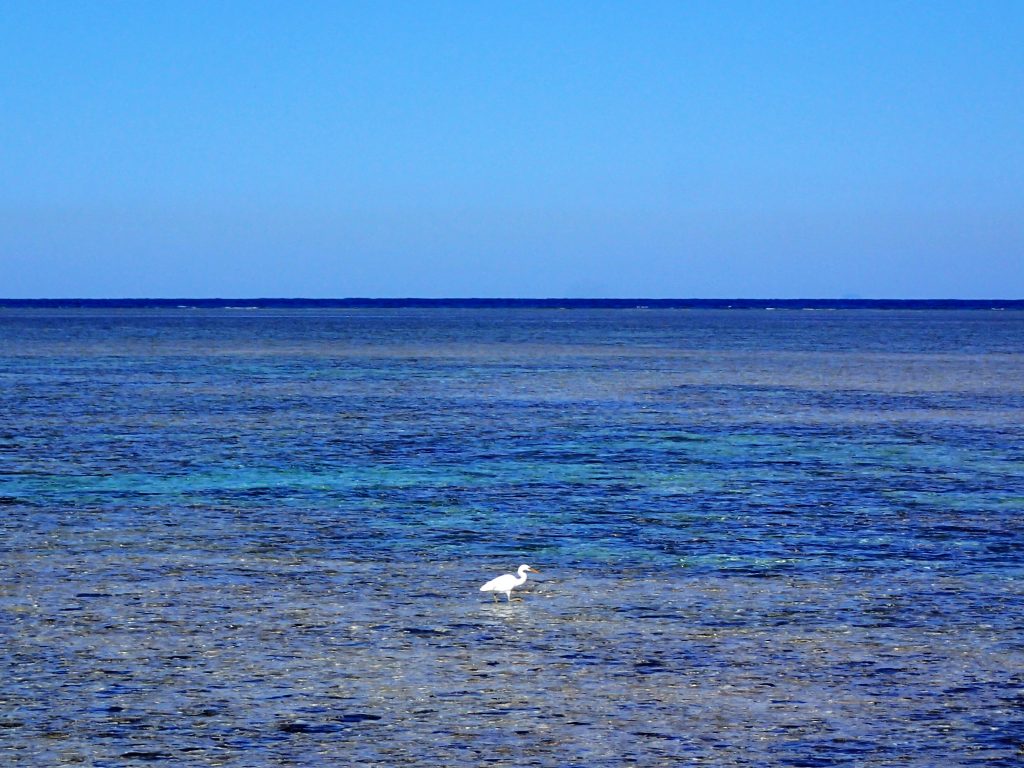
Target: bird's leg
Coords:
[(495, 596)]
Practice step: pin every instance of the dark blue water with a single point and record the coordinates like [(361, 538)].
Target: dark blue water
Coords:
[(255, 537)]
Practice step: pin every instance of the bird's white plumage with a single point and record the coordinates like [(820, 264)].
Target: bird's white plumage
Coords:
[(507, 582)]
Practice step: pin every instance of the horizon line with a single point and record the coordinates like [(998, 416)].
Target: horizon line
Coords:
[(493, 300)]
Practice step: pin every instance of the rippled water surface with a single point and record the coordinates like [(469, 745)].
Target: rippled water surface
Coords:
[(255, 538)]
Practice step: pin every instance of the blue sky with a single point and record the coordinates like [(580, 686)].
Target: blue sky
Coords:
[(532, 149)]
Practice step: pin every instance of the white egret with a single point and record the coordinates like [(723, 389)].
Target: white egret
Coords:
[(507, 583)]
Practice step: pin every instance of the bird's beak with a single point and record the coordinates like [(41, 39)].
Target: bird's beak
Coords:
[(533, 570)]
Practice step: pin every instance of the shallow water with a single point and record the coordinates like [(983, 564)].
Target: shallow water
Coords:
[(255, 538)]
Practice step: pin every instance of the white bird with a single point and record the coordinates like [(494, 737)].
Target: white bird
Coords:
[(507, 583)]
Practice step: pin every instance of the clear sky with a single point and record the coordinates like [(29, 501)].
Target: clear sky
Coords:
[(523, 149)]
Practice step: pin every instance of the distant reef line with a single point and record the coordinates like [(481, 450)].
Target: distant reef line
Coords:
[(498, 303)]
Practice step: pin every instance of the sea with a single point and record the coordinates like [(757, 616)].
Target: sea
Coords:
[(768, 533)]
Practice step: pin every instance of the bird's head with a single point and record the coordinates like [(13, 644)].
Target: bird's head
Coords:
[(527, 569)]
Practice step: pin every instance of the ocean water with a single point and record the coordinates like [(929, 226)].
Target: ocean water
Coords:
[(255, 537)]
